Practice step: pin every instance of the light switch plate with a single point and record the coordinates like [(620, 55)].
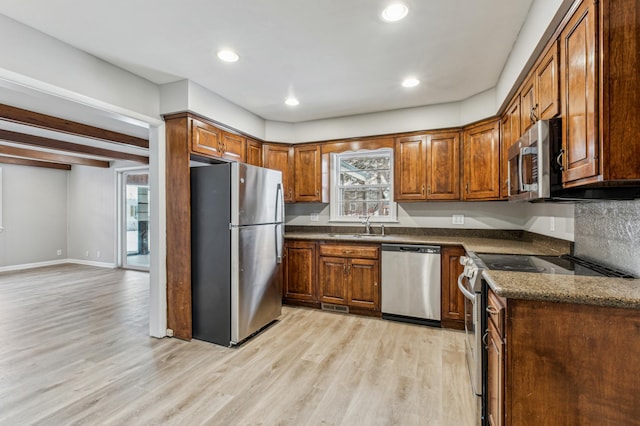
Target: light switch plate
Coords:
[(457, 219), (314, 217)]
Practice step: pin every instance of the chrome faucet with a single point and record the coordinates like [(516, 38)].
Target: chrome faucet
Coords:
[(367, 225)]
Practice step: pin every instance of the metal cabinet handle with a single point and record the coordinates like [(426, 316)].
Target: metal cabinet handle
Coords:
[(467, 187), (484, 339), (492, 310), (428, 189), (559, 160), (422, 189), (347, 251)]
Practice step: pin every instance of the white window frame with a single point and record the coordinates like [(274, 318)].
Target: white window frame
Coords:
[(334, 179)]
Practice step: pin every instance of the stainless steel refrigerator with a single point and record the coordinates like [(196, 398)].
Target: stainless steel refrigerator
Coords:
[(237, 234)]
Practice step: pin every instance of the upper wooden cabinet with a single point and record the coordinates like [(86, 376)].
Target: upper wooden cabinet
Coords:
[(427, 167), (578, 56), (280, 157), (547, 85), (510, 132), (210, 141), (254, 153), (205, 138), (233, 147), (528, 103), (410, 168), (443, 166), (481, 161), (540, 93), (307, 173)]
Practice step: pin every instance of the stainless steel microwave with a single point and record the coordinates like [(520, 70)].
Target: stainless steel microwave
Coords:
[(535, 162)]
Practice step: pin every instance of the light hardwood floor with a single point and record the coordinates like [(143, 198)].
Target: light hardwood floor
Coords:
[(74, 349)]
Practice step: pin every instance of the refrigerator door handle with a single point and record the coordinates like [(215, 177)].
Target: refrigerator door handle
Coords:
[(279, 204), (278, 245)]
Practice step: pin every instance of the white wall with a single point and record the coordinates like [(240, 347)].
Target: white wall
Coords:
[(541, 21), (34, 215), (186, 95), (552, 219), (33, 58), (92, 213), (478, 215)]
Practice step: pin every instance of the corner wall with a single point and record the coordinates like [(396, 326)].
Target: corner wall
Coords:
[(34, 205), (92, 213)]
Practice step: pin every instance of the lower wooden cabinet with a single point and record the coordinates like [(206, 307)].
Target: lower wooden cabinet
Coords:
[(495, 341), (299, 276), (452, 301), (559, 363), (349, 275), (339, 274)]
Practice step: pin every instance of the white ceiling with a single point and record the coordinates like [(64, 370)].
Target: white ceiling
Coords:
[(336, 56)]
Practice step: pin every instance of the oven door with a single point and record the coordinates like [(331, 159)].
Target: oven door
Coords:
[(473, 332)]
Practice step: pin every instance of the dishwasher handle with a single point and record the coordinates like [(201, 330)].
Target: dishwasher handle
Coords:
[(409, 248), (469, 295)]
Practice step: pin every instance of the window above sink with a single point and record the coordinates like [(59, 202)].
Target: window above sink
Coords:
[(361, 185)]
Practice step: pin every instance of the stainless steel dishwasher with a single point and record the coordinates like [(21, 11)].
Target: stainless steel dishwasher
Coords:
[(411, 283)]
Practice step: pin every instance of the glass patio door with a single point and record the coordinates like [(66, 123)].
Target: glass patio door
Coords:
[(135, 223)]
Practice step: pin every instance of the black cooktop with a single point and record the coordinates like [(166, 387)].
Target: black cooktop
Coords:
[(560, 265)]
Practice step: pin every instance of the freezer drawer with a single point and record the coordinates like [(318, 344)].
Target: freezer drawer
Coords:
[(411, 282)]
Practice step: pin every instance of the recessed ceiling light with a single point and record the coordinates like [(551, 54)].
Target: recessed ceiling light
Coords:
[(291, 101), (394, 12), (228, 55), (410, 82)]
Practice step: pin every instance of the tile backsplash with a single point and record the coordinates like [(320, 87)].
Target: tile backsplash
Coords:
[(609, 233)]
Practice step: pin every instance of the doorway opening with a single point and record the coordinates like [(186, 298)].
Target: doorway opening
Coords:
[(135, 217)]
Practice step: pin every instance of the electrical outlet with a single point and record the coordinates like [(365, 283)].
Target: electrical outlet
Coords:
[(457, 219), (98, 253), (59, 252), (86, 253), (552, 223), (314, 217)]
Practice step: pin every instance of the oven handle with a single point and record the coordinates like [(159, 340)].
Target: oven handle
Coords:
[(463, 289)]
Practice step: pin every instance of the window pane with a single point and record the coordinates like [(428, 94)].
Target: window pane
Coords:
[(363, 184)]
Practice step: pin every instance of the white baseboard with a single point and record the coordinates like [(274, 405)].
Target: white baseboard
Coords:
[(92, 263), (33, 265), (56, 262)]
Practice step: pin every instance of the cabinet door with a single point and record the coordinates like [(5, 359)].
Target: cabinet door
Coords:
[(482, 162), (578, 58), (233, 147), (547, 84), (332, 280), (254, 153), (363, 288), (205, 139), (528, 103), (299, 270), (495, 377), (510, 125), (280, 157), (443, 166), (308, 174), (452, 307), (410, 183)]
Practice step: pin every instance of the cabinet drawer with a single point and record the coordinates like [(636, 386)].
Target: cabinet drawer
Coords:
[(495, 311), (363, 252)]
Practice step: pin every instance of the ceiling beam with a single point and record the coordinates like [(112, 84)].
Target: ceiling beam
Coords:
[(48, 122), (25, 139), (51, 156), (33, 163)]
